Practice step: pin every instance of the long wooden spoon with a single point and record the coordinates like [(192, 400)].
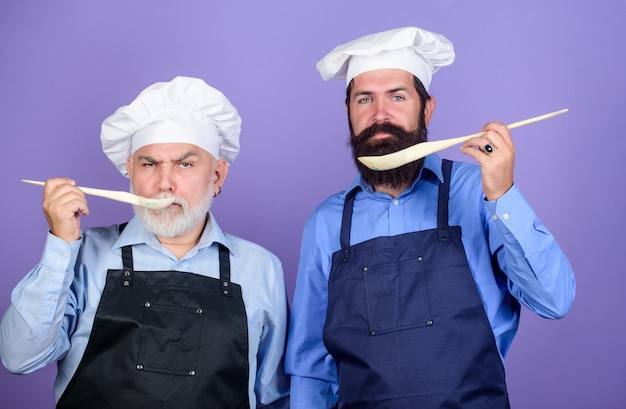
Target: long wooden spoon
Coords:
[(120, 196), (420, 150)]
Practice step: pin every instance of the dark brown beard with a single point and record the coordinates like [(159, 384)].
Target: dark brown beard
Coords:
[(363, 145)]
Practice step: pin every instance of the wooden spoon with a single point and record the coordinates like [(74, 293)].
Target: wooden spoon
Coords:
[(420, 150), (120, 196)]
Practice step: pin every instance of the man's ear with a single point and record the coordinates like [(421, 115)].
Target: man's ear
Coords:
[(221, 171), (429, 109), (129, 166)]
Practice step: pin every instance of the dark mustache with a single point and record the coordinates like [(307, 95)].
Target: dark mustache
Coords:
[(384, 127)]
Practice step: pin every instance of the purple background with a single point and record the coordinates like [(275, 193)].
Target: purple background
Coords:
[(66, 65)]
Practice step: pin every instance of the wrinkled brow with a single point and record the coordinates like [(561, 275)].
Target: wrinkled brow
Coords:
[(184, 156)]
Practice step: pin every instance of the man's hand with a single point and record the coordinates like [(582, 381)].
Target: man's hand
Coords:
[(496, 166), (63, 203)]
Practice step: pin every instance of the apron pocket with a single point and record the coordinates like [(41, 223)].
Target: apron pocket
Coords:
[(396, 297), (170, 337)]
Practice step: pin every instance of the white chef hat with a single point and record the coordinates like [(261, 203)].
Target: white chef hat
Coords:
[(184, 110), (412, 49)]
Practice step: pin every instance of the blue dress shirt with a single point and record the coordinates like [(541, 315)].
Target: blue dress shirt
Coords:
[(534, 270), (52, 309)]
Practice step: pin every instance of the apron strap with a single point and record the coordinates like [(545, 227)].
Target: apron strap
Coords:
[(127, 261), (224, 270), (346, 221), (224, 259), (442, 208), (442, 205)]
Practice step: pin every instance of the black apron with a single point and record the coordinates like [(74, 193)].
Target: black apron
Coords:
[(164, 339), (405, 322)]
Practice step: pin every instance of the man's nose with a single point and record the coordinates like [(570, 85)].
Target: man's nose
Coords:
[(166, 183), (381, 114)]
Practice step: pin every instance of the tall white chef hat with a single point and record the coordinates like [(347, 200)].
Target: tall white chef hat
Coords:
[(412, 49), (184, 110)]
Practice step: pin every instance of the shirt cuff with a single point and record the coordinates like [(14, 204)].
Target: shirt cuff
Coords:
[(309, 393), (58, 254), (512, 210)]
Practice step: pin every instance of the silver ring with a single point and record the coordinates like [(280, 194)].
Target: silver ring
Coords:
[(488, 148)]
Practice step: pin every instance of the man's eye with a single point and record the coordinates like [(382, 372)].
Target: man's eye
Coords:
[(148, 164), (364, 100), (398, 98), (185, 165)]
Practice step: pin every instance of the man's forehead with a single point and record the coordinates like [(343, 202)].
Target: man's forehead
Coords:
[(170, 151), (383, 80)]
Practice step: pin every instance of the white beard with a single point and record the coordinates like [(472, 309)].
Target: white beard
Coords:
[(171, 222)]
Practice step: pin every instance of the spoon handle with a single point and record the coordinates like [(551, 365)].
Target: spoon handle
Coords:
[(117, 195), (454, 141)]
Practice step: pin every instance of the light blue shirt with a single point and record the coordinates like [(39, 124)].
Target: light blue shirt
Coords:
[(52, 309), (536, 272)]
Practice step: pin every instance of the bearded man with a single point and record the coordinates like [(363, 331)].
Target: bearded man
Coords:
[(410, 281), (167, 310)]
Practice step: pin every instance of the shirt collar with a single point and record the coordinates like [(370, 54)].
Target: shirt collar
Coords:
[(432, 166), (135, 233)]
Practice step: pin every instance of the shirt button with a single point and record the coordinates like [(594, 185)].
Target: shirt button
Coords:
[(505, 216), (494, 217), (396, 202)]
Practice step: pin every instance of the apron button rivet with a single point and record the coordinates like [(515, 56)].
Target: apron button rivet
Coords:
[(199, 311), (192, 373), (147, 304), (429, 322), (126, 283), (420, 258), (225, 284), (127, 273), (372, 332), (139, 367)]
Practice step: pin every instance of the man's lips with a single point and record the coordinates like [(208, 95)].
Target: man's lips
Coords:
[(176, 203), (380, 135)]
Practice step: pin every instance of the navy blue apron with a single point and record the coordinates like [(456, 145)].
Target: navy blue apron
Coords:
[(164, 339), (405, 322)]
